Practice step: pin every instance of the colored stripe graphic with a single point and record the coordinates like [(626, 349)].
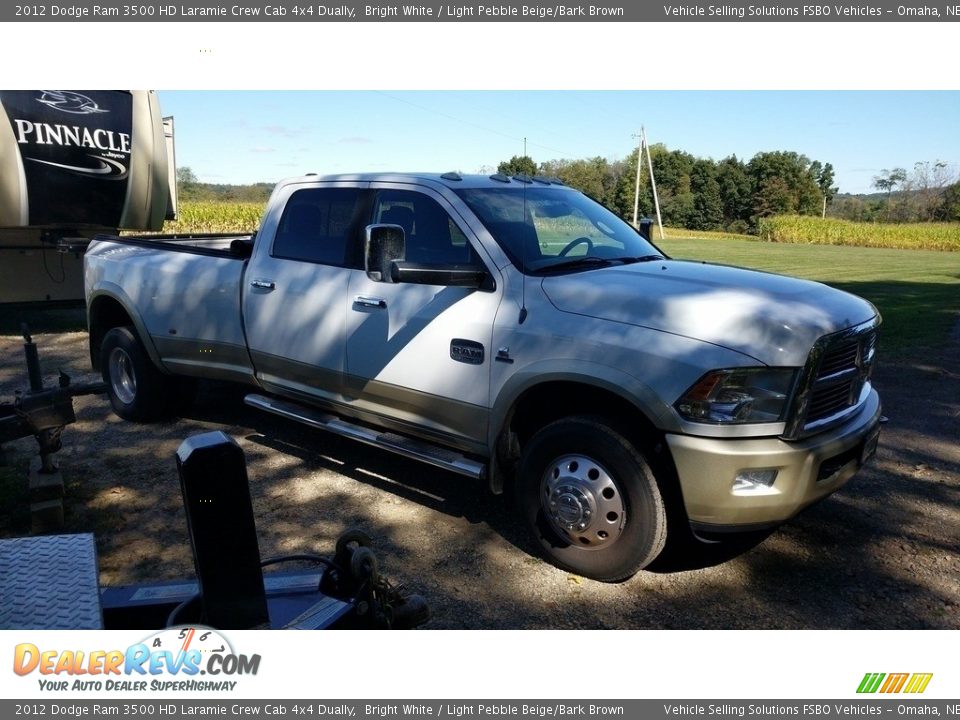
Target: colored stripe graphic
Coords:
[(894, 682), (918, 682), (870, 682)]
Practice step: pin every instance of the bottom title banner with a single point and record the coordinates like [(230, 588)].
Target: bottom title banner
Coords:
[(492, 709)]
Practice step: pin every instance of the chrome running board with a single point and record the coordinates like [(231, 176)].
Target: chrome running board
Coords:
[(414, 449)]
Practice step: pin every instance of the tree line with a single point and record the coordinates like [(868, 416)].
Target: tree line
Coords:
[(190, 189), (697, 193), (734, 195), (930, 192)]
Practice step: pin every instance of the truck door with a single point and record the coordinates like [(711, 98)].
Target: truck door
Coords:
[(420, 354), (293, 299)]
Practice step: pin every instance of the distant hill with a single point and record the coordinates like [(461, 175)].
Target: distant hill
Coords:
[(866, 197)]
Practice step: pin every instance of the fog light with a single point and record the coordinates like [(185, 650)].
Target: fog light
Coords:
[(755, 480)]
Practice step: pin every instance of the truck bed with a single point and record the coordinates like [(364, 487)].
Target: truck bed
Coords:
[(218, 244), (186, 291)]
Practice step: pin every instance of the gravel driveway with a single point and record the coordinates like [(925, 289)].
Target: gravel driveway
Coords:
[(884, 552)]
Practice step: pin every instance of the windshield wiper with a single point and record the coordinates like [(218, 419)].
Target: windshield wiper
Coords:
[(574, 263), (590, 261)]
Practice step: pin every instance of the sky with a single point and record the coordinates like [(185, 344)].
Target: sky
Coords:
[(245, 137)]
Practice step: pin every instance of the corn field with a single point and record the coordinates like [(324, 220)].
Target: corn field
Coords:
[(830, 231), (215, 217)]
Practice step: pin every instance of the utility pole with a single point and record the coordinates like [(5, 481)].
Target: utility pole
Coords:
[(653, 182), (636, 186)]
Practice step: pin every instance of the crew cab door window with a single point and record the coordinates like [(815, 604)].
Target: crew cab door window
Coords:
[(432, 238), (318, 225)]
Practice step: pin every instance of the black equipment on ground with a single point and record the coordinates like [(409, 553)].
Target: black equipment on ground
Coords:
[(231, 591), (223, 535)]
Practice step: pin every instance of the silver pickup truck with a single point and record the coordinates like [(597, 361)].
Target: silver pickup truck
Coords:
[(510, 330)]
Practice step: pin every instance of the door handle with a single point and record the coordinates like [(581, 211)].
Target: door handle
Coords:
[(263, 284), (372, 302)]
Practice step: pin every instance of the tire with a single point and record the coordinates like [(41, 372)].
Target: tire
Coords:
[(138, 391), (591, 500)]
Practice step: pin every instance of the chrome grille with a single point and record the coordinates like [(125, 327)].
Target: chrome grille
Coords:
[(830, 400), (834, 381), (838, 381), (838, 359)]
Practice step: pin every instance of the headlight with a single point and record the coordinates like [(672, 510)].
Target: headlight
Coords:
[(741, 395)]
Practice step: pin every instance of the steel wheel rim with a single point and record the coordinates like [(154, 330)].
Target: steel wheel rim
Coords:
[(123, 381), (582, 502)]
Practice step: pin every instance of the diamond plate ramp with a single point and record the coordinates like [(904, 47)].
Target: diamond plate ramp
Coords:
[(49, 583)]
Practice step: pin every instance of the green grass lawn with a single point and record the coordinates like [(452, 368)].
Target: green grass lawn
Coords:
[(916, 291)]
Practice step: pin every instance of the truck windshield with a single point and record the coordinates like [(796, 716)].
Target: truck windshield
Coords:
[(549, 229)]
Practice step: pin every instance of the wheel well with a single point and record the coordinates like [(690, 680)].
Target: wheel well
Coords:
[(106, 313), (551, 401), (547, 402)]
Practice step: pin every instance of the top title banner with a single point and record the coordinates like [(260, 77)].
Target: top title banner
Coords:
[(504, 10)]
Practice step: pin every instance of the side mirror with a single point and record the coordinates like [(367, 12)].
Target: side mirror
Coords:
[(646, 228), (384, 244)]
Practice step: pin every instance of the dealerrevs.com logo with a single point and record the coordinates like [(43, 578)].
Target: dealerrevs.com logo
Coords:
[(173, 659), (894, 682)]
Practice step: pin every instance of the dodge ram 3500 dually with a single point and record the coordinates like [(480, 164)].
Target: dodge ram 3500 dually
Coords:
[(510, 330)]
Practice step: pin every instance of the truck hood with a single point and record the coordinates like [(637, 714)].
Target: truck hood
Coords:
[(772, 318)]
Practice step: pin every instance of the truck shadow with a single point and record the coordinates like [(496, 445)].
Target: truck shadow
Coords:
[(686, 552), (437, 490), (878, 554), (829, 567)]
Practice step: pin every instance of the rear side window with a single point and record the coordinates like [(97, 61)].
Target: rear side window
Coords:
[(318, 225)]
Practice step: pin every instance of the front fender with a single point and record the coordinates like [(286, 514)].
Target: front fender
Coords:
[(583, 372)]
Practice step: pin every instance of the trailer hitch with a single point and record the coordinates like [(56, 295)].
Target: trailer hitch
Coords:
[(42, 412)]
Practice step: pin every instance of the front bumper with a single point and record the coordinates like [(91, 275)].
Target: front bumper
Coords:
[(806, 471)]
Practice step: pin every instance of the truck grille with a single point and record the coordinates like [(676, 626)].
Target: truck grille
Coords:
[(838, 359), (838, 382), (834, 380)]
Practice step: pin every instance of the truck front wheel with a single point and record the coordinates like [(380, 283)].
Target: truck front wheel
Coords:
[(137, 390), (591, 500)]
